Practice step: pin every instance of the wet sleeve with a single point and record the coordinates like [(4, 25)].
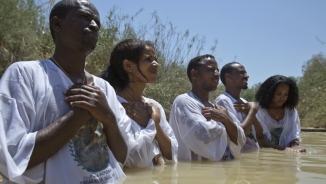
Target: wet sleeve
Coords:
[(169, 132), (17, 138), (205, 138)]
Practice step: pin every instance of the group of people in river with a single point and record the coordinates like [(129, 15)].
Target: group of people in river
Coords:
[(61, 124)]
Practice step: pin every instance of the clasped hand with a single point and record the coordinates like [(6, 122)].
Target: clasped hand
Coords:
[(90, 98), (216, 113), (142, 112)]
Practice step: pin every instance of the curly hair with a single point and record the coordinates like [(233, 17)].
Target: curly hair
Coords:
[(227, 68), (195, 62), (61, 9), (129, 49), (265, 93)]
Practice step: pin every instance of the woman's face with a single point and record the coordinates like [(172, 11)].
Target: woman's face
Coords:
[(281, 94), (148, 66)]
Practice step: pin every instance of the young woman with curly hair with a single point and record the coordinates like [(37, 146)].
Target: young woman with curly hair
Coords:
[(277, 97)]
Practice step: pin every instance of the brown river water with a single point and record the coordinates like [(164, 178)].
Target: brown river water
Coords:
[(263, 166)]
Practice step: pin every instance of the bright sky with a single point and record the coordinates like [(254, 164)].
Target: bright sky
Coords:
[(267, 37)]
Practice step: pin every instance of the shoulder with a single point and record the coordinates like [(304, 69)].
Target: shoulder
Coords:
[(291, 111), (25, 69), (182, 99), (101, 83), (26, 65), (222, 99)]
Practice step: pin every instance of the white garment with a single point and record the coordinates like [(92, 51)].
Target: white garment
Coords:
[(198, 138), (31, 98), (227, 101), (142, 144), (291, 125)]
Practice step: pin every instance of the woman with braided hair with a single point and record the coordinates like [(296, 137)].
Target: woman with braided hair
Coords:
[(151, 140), (277, 97)]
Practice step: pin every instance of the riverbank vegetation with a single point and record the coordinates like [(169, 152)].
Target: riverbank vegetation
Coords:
[(25, 35)]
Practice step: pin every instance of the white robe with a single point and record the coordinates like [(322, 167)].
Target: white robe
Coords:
[(198, 138), (227, 101), (290, 124), (142, 144), (31, 98)]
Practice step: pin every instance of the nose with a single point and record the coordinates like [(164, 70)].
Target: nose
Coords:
[(246, 75), (216, 72), (155, 64), (94, 26)]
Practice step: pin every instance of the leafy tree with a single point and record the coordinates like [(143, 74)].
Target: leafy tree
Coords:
[(19, 29), (312, 88)]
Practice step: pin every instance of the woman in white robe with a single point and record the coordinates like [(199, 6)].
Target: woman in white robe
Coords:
[(133, 64), (278, 97)]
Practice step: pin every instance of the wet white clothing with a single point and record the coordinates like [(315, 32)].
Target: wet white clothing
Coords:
[(227, 101), (198, 138), (31, 98), (141, 142), (290, 125)]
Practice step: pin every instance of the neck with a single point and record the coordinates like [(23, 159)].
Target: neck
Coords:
[(133, 92), (71, 61), (201, 94), (235, 93), (275, 107)]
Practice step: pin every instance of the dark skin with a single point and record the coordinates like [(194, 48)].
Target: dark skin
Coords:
[(136, 108), (280, 97), (234, 83), (204, 80), (76, 37)]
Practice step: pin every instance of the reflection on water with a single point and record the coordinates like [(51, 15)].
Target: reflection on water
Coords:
[(263, 166)]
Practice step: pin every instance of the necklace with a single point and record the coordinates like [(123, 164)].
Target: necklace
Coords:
[(276, 115), (129, 96), (78, 80), (208, 103)]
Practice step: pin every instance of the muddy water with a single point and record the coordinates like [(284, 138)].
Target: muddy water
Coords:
[(263, 166)]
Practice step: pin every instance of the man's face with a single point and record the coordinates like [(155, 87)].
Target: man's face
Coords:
[(238, 77), (80, 28), (208, 74)]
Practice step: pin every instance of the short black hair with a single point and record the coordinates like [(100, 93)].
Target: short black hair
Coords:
[(228, 68), (129, 49), (60, 10), (195, 62), (265, 93)]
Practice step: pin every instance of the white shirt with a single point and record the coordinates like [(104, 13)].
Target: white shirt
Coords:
[(290, 124), (31, 98), (227, 101), (198, 138), (141, 141)]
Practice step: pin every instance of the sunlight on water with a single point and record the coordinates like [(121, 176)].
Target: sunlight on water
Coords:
[(264, 166)]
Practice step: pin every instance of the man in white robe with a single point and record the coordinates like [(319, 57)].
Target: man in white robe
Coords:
[(234, 77), (59, 123), (204, 131)]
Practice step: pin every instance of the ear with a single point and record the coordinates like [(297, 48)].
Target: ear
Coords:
[(227, 76), (56, 23), (193, 74), (127, 65)]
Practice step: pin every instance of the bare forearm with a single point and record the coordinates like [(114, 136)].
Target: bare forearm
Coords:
[(247, 122), (115, 141), (266, 144), (53, 137), (164, 142)]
